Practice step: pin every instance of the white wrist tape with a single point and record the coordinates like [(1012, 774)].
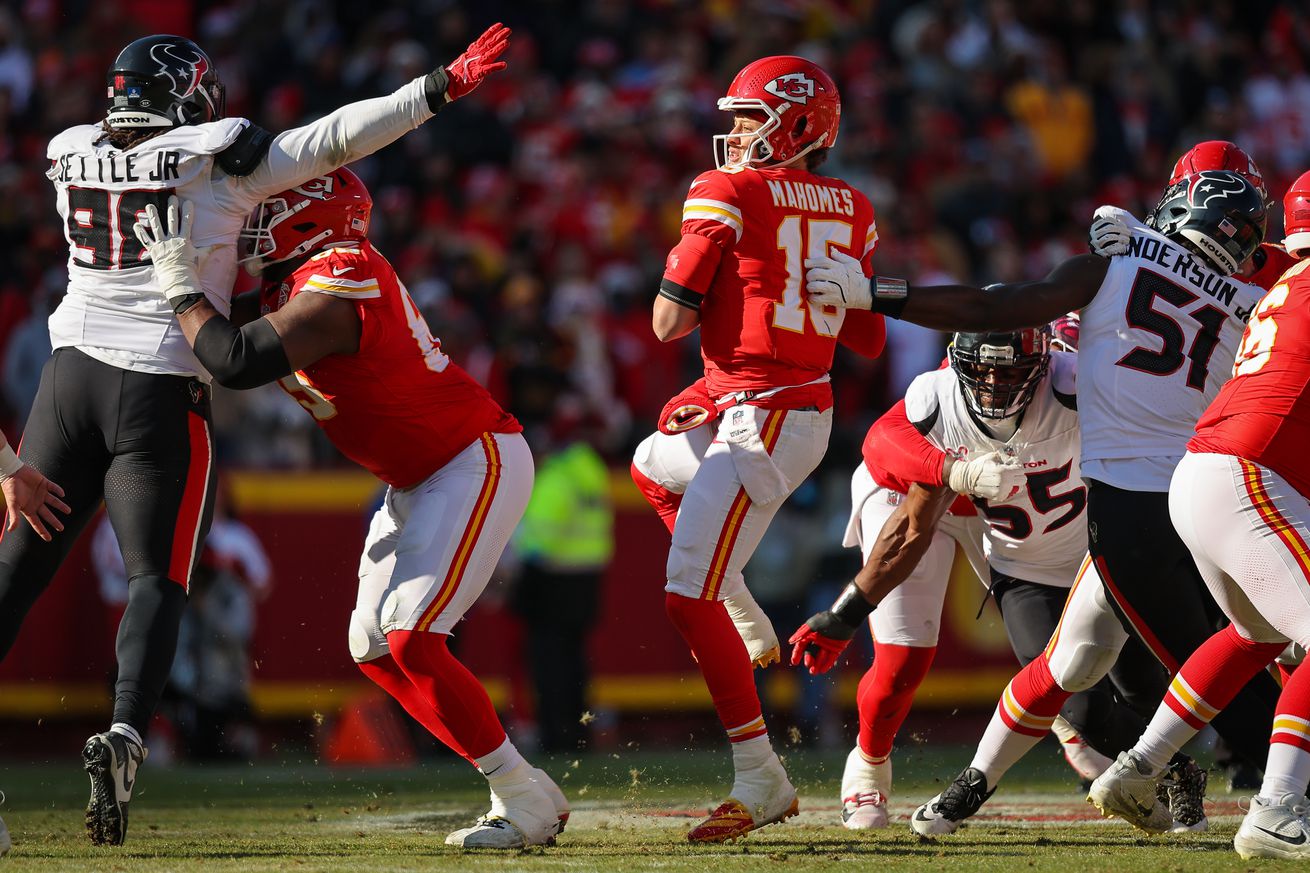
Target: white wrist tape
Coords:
[(9, 463)]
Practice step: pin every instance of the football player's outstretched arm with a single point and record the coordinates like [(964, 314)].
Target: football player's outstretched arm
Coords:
[(361, 128), (901, 544), (307, 329), (839, 281)]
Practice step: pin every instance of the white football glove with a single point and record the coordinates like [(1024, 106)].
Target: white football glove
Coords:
[(754, 627), (171, 252), (992, 476), (838, 281), (1109, 234)]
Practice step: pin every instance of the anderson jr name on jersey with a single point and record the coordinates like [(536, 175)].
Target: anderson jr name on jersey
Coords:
[(1157, 342)]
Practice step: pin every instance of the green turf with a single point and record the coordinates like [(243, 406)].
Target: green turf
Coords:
[(631, 810)]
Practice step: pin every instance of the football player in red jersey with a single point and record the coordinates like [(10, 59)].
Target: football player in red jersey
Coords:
[(719, 477), (1110, 231), (341, 334), (1239, 499)]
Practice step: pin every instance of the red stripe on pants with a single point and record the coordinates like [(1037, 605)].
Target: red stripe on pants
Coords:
[(190, 512)]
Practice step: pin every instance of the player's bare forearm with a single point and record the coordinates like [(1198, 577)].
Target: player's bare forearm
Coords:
[(672, 321), (1069, 287), (903, 541)]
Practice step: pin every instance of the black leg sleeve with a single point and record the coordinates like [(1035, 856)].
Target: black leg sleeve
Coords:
[(147, 640)]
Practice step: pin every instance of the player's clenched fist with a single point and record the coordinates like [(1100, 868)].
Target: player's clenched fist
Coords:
[(819, 642), (467, 71)]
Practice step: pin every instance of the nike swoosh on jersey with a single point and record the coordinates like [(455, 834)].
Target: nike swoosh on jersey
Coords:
[(337, 271), (1298, 840)]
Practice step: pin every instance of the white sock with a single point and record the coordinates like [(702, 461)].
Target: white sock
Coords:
[(500, 765), (752, 754), (1286, 772), (126, 730), (1000, 749)]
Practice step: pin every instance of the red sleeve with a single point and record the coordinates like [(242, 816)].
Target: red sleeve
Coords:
[(894, 446), (712, 210), (863, 332), (689, 270)]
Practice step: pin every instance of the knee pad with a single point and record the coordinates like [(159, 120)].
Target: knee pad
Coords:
[(365, 637), (1079, 666)]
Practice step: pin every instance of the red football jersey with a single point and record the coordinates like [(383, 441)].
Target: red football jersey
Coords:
[(1263, 413), (397, 407), (758, 330), (896, 455), (1268, 265)]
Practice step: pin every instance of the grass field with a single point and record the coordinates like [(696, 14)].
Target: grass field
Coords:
[(631, 811)]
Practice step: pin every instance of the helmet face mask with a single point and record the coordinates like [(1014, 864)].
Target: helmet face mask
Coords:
[(327, 210), (797, 103), (163, 81), (999, 371), (1217, 214)]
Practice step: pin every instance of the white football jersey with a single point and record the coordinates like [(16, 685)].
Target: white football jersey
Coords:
[(1039, 534), (1156, 344), (114, 310)]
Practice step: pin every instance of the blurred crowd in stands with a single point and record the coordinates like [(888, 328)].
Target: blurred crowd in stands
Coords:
[(530, 222)]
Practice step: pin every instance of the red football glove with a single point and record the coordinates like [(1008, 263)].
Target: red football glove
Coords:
[(468, 70), (691, 408), (820, 642)]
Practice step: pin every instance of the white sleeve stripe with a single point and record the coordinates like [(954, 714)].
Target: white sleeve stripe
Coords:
[(713, 215), (871, 240), (714, 204), (362, 294), (341, 282)]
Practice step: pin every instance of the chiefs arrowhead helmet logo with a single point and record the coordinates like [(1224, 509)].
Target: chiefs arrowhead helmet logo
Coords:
[(183, 68), (1208, 185), (796, 87), (317, 189)]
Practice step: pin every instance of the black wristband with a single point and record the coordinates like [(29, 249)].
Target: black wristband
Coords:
[(434, 89), (182, 304), (851, 607), (889, 296)]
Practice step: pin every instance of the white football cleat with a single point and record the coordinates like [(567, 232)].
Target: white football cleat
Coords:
[(525, 817), (760, 796), (111, 761), (1126, 791), (556, 796), (1275, 830), (864, 788)]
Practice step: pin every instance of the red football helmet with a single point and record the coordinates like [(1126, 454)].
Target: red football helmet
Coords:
[(1218, 154), (1064, 332), (801, 109), (1296, 218), (325, 210)]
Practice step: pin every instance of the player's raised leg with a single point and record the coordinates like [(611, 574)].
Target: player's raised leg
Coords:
[(702, 570)]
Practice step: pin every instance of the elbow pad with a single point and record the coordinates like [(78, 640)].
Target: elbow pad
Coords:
[(244, 357), (246, 152), (689, 270)]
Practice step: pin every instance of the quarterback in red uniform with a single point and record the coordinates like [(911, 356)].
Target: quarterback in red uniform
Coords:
[(1239, 499), (341, 334), (735, 445)]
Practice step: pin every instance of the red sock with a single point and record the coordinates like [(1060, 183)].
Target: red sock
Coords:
[(1285, 672), (1032, 700), (666, 503), (1214, 674), (1292, 717), (458, 701), (886, 692), (723, 661), (388, 676)]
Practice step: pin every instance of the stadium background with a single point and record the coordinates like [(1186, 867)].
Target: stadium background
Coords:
[(530, 223)]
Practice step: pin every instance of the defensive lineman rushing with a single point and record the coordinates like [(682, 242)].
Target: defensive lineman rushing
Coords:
[(1239, 499), (1003, 394), (1159, 328), (123, 407), (765, 403)]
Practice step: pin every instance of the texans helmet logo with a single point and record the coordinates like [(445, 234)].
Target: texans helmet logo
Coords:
[(1207, 186), (318, 189), (796, 87), (183, 68)]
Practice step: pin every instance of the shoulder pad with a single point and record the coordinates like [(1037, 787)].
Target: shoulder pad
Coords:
[(922, 403), (713, 183), (246, 152), (201, 139), (1064, 378), (345, 271), (79, 137)]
